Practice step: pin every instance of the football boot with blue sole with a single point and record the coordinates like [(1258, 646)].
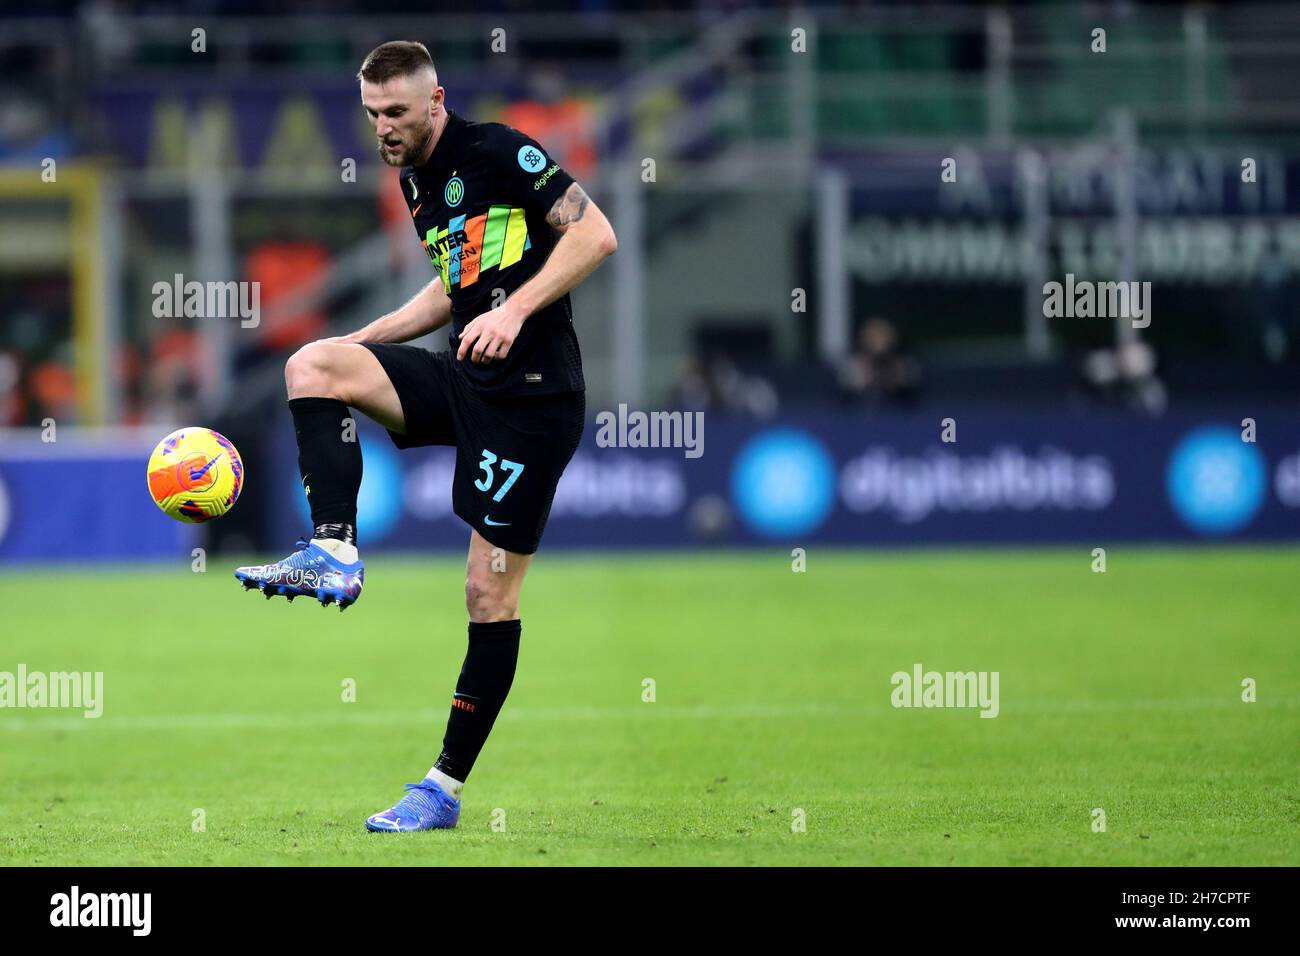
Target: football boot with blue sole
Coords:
[(310, 571)]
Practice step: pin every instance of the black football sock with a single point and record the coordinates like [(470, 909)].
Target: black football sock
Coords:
[(485, 680), (329, 460)]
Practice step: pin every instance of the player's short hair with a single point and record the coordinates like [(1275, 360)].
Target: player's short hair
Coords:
[(394, 59)]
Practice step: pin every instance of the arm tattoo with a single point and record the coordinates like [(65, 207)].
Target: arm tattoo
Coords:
[(569, 208)]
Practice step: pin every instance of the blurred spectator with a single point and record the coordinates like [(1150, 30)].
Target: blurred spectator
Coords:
[(1267, 323), (289, 271), (1125, 377), (878, 371), (53, 387), (112, 34), (130, 371), (26, 132), (37, 342), (13, 403), (715, 383), (174, 373), (564, 124)]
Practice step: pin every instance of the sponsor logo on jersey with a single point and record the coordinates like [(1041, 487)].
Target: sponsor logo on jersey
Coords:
[(449, 241), (531, 159), (546, 176), (498, 237)]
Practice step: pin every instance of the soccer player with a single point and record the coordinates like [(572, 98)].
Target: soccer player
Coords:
[(510, 233)]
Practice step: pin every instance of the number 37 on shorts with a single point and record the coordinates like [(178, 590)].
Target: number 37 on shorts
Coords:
[(499, 472)]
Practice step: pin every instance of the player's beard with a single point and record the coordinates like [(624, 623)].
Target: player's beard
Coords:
[(412, 151)]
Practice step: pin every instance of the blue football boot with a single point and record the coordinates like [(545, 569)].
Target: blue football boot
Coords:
[(426, 806), (311, 571)]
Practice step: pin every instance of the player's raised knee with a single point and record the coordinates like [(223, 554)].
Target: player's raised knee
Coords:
[(311, 370)]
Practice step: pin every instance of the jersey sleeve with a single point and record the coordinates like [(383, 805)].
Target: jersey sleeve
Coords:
[(529, 176)]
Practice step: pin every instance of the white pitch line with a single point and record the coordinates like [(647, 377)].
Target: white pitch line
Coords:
[(348, 716)]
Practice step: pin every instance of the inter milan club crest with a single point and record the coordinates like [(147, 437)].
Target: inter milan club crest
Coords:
[(454, 192)]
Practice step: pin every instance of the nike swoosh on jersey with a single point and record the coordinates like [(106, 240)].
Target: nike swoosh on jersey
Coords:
[(495, 524)]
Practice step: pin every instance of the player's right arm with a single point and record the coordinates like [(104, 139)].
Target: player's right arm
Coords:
[(428, 310)]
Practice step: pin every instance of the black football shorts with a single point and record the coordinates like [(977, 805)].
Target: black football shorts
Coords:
[(510, 452)]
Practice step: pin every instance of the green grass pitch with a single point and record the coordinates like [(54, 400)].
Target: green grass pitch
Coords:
[(1120, 691)]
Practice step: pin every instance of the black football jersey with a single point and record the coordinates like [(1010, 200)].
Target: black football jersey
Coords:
[(479, 206)]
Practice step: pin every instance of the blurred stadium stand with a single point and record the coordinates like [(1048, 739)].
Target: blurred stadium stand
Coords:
[(796, 196), (227, 162)]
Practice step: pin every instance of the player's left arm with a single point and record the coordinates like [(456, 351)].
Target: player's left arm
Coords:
[(586, 240)]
